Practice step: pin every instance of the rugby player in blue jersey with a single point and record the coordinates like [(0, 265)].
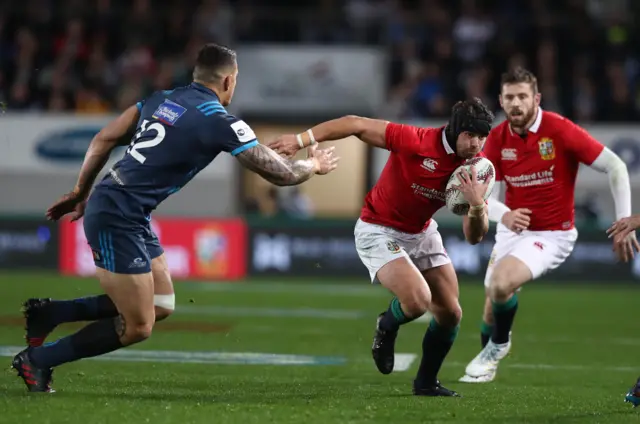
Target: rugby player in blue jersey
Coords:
[(173, 135)]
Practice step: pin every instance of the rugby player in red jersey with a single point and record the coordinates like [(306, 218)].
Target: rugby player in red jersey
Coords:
[(396, 237), (536, 155)]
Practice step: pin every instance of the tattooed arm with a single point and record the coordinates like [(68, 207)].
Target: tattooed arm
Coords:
[(275, 169)]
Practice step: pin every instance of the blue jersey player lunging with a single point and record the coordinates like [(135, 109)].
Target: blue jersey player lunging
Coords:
[(174, 135)]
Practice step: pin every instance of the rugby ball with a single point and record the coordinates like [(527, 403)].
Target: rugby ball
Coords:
[(484, 171)]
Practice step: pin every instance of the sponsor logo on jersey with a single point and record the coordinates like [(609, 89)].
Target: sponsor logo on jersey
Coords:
[(509, 154), (243, 131), (169, 112), (547, 149), (429, 164)]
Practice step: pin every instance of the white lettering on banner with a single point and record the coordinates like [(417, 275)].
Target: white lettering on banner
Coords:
[(45, 144), (279, 251), (279, 79), (272, 252)]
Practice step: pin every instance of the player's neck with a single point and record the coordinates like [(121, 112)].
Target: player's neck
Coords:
[(211, 87)]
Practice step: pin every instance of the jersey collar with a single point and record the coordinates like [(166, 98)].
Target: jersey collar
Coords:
[(201, 87), (447, 148), (536, 124)]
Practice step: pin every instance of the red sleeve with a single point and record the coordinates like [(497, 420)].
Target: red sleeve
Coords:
[(492, 152), (403, 138), (581, 143)]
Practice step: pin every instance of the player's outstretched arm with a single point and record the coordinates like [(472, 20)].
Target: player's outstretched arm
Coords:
[(117, 132), (283, 172), (371, 131)]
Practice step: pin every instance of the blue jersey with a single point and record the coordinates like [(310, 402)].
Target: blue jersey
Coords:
[(178, 134)]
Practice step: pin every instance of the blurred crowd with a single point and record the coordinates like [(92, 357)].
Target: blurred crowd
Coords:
[(102, 55)]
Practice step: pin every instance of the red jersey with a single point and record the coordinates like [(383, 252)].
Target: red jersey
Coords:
[(540, 169), (412, 185)]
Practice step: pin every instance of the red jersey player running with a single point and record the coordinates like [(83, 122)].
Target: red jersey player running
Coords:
[(536, 154), (396, 237)]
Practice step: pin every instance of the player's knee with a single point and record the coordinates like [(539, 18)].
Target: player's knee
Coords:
[(449, 316), (417, 303), (132, 332), (165, 304), (138, 333), (500, 287)]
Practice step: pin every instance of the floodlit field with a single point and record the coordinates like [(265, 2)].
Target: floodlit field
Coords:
[(299, 352)]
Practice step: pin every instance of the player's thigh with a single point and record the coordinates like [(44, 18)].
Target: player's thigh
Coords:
[(386, 258), (430, 257), (528, 259), (124, 269)]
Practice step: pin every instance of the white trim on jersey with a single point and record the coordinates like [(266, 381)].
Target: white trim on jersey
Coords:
[(496, 208), (536, 124), (611, 164), (447, 148)]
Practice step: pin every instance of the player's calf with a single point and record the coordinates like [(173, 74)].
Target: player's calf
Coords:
[(42, 316), (412, 300), (442, 331)]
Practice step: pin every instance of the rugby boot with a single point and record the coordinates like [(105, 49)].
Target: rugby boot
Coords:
[(383, 348), (434, 390), (38, 321), (633, 396), (483, 368), (36, 379)]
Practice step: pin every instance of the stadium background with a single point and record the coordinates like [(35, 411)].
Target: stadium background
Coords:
[(68, 66), (270, 277)]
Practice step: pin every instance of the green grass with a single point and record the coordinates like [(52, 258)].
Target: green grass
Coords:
[(575, 354)]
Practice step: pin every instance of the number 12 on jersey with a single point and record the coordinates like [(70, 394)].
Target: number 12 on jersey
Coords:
[(144, 131)]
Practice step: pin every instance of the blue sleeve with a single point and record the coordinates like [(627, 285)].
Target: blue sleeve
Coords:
[(233, 136), (140, 104)]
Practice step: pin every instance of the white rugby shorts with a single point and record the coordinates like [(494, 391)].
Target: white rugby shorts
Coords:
[(541, 251), (378, 245)]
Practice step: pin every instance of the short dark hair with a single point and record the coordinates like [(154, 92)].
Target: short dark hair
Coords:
[(519, 75), (212, 61)]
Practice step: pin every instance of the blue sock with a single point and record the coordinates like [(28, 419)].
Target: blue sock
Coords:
[(91, 308), (95, 339)]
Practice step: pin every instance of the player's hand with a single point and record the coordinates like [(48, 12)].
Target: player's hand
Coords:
[(71, 203), (624, 226), (326, 159), (624, 237), (285, 145), (517, 220), (472, 190)]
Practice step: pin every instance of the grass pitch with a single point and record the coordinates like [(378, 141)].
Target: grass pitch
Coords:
[(269, 352)]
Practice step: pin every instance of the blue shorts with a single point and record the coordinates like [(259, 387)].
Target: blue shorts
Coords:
[(119, 244)]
